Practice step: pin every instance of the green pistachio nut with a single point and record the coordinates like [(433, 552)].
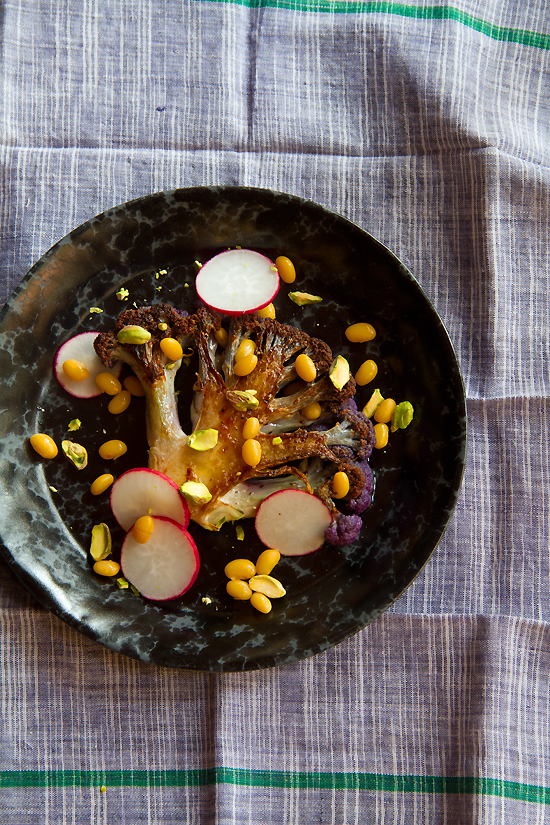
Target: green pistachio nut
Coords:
[(196, 492), (75, 453), (373, 403), (339, 372), (402, 416), (133, 334), (243, 400), (101, 544), (202, 440), (304, 298)]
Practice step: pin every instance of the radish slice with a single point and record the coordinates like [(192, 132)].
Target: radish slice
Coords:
[(143, 492), (81, 348), (237, 281), (292, 522), (165, 566)]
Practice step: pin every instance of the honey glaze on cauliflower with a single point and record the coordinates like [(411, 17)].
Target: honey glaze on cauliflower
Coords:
[(295, 452)]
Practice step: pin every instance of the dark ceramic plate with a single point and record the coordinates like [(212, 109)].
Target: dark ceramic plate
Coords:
[(47, 511)]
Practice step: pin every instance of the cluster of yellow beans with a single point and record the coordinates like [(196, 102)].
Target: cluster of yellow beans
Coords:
[(383, 415), (252, 449), (358, 334), (246, 359), (241, 571)]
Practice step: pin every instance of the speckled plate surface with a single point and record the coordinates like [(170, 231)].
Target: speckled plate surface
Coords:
[(149, 246)]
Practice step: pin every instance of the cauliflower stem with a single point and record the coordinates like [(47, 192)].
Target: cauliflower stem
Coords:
[(342, 438)]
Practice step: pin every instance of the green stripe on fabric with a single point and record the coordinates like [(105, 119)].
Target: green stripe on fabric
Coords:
[(509, 35), (478, 786)]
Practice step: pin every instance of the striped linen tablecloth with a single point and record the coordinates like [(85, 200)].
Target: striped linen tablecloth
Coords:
[(428, 125)]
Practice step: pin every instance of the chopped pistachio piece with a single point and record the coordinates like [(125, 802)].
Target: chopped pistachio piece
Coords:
[(304, 298), (95, 310), (239, 530), (197, 265), (202, 440), (101, 544), (122, 294), (206, 600), (373, 403), (402, 416), (122, 584), (75, 453), (162, 326), (243, 400), (133, 334), (277, 440), (75, 424), (270, 587), (339, 372), (196, 492)]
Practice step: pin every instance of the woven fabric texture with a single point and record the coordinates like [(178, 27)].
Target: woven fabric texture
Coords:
[(428, 125)]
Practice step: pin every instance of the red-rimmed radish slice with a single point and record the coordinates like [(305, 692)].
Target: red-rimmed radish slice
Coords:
[(143, 492), (237, 281), (81, 348), (165, 566), (292, 522)]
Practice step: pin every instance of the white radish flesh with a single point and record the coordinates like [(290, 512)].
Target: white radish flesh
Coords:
[(292, 522), (143, 492), (81, 348), (165, 566), (237, 281)]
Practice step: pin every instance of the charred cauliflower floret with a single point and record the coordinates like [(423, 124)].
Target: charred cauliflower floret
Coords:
[(223, 401)]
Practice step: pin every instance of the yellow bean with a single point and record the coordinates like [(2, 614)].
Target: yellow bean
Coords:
[(312, 411), (266, 312), (133, 385), (106, 567), (238, 589), (44, 445), (384, 411), (240, 569), (171, 348), (382, 433), (340, 485), (366, 372), (246, 347), (260, 602), (245, 365), (222, 336), (266, 562), (286, 269), (251, 427), (143, 529), (251, 452), (75, 370), (108, 383), (112, 449), (359, 333), (101, 484), (119, 402), (305, 368)]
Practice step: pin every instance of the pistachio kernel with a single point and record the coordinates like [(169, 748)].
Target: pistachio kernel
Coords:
[(75, 453), (133, 334)]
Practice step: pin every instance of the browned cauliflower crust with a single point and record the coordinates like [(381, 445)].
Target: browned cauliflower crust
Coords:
[(223, 401)]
